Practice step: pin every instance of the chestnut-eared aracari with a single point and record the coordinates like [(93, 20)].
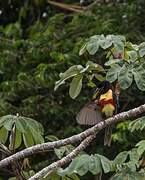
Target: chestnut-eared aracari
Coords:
[(103, 105)]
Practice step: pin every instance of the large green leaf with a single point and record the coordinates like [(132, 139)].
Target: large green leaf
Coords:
[(38, 138), (125, 77), (112, 73), (79, 165), (95, 165), (121, 158), (139, 77), (72, 71), (92, 45), (76, 86), (106, 164), (21, 124), (3, 135), (28, 139)]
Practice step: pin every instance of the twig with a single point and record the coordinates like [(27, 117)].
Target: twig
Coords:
[(76, 138), (66, 6), (64, 160)]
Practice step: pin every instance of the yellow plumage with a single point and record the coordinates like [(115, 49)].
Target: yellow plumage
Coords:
[(108, 110)]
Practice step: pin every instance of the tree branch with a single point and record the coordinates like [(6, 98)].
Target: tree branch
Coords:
[(64, 160), (76, 138)]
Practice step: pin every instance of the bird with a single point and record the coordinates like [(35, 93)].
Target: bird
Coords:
[(102, 105)]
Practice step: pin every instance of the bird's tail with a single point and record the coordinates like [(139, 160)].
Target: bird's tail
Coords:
[(107, 136)]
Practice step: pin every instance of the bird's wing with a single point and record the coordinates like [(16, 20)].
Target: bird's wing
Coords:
[(90, 114)]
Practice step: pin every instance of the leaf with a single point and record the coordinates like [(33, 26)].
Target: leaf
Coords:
[(106, 164), (18, 139), (82, 50), (75, 86), (132, 54), (112, 61), (125, 77), (51, 138), (72, 71), (141, 147), (60, 152), (92, 45), (79, 165), (3, 135), (134, 155), (94, 66), (142, 49), (121, 158), (21, 125), (38, 138), (8, 124), (139, 77), (112, 73), (28, 139), (3, 119), (95, 166)]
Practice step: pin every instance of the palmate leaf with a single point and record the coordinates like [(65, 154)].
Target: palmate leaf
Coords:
[(84, 163), (97, 41), (125, 77), (27, 129), (112, 73)]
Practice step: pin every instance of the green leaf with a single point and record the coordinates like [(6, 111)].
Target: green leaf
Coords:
[(134, 155), (51, 138), (92, 45), (21, 124), (28, 139), (112, 73), (82, 50), (121, 158), (142, 49), (76, 86), (72, 71), (112, 61), (132, 54), (106, 164), (3, 135), (139, 77), (95, 166), (18, 139), (38, 139), (94, 66), (8, 124), (79, 165), (141, 147), (125, 77), (60, 152)]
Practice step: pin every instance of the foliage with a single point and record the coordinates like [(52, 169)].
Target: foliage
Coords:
[(37, 42)]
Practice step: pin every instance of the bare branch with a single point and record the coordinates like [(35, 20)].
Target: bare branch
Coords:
[(68, 7), (64, 160), (76, 138)]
